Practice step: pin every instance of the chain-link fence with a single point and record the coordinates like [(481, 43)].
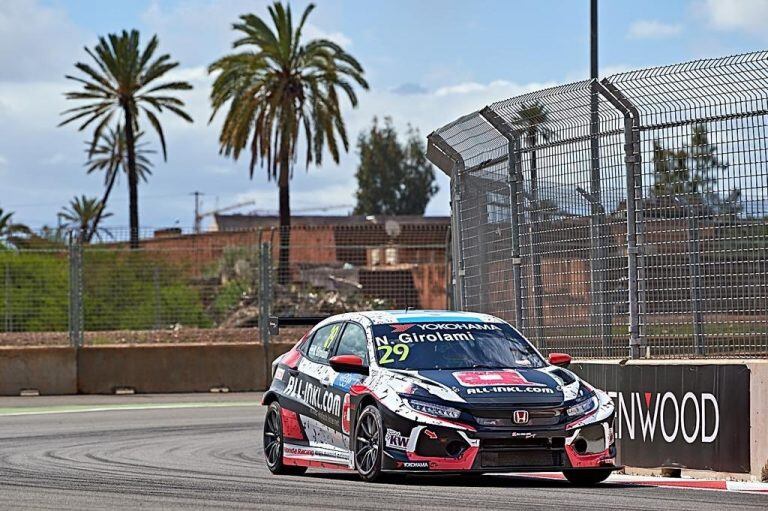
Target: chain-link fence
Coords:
[(630, 211), (215, 286)]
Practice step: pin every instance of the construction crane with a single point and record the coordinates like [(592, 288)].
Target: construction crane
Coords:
[(274, 212), (199, 216)]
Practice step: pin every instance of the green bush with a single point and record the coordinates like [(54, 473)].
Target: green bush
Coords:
[(138, 291), (34, 289)]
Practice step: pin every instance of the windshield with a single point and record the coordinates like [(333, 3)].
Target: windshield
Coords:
[(452, 346)]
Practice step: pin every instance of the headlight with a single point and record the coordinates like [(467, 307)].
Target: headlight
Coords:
[(433, 409), (585, 406)]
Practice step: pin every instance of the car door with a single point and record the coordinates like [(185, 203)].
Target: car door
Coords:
[(353, 341), (313, 396)]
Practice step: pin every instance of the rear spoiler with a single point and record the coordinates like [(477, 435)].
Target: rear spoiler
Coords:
[(275, 322)]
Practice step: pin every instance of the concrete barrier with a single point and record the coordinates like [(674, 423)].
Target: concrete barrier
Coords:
[(158, 368), (174, 368), (50, 370), (667, 404)]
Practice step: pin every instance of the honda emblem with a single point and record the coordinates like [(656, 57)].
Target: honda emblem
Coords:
[(521, 416)]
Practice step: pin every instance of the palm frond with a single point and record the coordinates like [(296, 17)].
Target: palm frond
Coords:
[(280, 89)]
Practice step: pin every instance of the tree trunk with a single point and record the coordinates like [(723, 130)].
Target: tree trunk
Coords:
[(102, 206), (284, 269), (133, 180)]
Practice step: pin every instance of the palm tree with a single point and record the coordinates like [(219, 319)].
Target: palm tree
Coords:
[(124, 86), (82, 214), (276, 89), (110, 155), (531, 119), (10, 230)]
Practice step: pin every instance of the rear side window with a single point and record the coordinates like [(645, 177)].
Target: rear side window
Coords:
[(320, 347)]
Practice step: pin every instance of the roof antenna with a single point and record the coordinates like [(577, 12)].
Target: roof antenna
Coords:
[(407, 308)]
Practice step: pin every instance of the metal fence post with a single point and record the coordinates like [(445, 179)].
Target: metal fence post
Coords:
[(598, 257), (535, 252), (75, 289), (694, 249), (158, 297), (265, 301), (458, 253), (515, 183), (449, 292), (7, 298), (634, 185)]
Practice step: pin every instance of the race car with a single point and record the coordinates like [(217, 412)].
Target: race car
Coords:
[(432, 391)]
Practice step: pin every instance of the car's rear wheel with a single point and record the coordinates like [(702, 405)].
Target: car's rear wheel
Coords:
[(588, 477), (369, 442), (273, 443)]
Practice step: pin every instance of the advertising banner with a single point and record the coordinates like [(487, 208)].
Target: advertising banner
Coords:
[(678, 415)]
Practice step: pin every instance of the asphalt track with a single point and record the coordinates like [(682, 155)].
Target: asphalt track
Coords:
[(204, 452)]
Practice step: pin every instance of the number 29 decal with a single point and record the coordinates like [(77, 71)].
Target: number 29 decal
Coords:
[(400, 350)]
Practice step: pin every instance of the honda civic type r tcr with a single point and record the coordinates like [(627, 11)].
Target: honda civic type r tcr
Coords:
[(432, 391)]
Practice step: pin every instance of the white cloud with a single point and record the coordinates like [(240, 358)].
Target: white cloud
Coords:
[(197, 32), (653, 29), (36, 41), (737, 15), (36, 151), (312, 32)]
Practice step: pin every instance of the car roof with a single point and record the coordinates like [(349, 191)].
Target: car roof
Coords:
[(413, 316)]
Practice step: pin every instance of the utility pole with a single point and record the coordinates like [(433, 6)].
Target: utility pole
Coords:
[(601, 316), (197, 211), (593, 39)]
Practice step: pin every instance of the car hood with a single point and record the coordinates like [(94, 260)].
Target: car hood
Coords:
[(501, 386)]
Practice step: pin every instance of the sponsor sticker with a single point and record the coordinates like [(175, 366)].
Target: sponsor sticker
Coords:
[(314, 396), (344, 381), (416, 464), (395, 440), (510, 389), (485, 378), (279, 373)]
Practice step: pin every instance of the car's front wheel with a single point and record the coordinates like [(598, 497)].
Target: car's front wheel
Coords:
[(273, 443), (369, 442), (589, 477)]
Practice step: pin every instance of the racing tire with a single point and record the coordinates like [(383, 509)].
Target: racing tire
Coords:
[(369, 444), (588, 477), (273, 443)]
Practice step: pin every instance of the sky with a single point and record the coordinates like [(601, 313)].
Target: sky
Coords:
[(428, 62)]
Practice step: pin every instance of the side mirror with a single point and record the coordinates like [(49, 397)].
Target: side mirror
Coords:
[(559, 359), (273, 325), (348, 364)]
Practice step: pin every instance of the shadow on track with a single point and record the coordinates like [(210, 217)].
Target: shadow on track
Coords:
[(467, 480)]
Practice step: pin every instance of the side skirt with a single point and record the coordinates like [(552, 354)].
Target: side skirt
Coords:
[(318, 457)]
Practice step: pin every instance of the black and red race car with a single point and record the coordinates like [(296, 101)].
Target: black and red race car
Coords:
[(432, 391)]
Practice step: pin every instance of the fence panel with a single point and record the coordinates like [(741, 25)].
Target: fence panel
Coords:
[(697, 134), (207, 287), (705, 163), (34, 295)]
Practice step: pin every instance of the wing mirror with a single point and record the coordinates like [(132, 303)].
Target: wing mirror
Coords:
[(348, 364), (559, 359)]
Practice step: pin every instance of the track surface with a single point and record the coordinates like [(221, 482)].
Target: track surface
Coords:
[(210, 457)]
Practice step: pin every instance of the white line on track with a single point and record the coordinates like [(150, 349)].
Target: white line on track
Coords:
[(11, 412)]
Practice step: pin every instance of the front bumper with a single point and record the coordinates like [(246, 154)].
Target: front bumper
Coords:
[(415, 447)]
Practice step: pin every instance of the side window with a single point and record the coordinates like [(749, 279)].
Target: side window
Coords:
[(353, 342), (322, 342)]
